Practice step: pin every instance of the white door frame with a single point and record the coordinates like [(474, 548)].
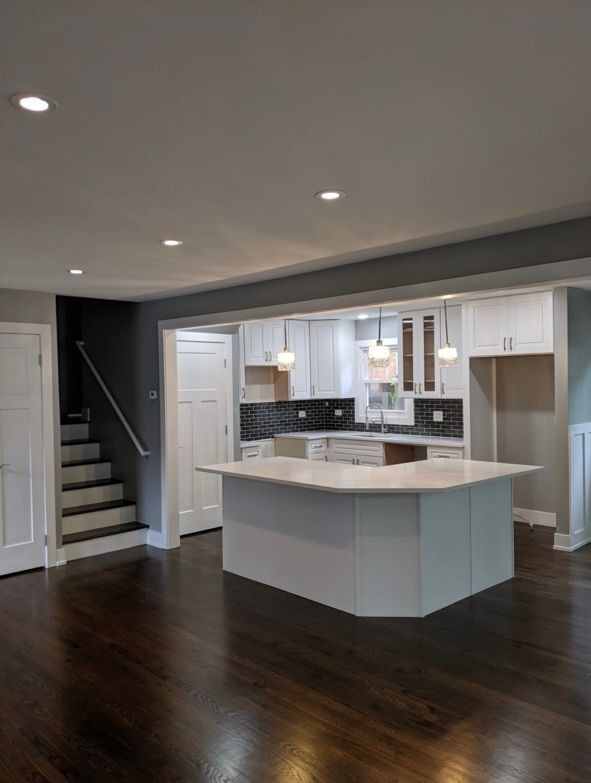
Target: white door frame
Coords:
[(170, 536), (43, 331)]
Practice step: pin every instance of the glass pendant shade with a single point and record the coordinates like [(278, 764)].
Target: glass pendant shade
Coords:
[(285, 360), (448, 356)]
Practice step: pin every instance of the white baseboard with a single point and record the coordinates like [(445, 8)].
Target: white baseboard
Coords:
[(100, 546), (60, 559), (533, 517), (564, 542), (156, 538)]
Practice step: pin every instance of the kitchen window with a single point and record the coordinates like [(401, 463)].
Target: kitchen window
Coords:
[(380, 385)]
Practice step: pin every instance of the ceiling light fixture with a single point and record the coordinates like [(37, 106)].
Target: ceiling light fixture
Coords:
[(363, 316), (171, 242), (285, 358), (29, 101), (448, 354), (76, 271), (329, 195), (378, 355)]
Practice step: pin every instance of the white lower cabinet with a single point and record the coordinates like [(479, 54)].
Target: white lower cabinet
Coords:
[(356, 452), (447, 452), (259, 450)]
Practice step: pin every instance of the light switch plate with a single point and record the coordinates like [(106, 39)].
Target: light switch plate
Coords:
[(437, 415), (301, 414), (338, 413)]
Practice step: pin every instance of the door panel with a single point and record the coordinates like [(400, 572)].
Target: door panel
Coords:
[(299, 343), (274, 339), (202, 378), (254, 343), (22, 491), (323, 353), (488, 327), (531, 323)]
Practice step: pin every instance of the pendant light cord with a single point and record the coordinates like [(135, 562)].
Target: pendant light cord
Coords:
[(380, 325), (445, 311)]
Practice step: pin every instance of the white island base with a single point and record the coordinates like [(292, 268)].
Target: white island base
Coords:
[(389, 555)]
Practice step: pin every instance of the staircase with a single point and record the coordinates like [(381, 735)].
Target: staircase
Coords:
[(96, 518)]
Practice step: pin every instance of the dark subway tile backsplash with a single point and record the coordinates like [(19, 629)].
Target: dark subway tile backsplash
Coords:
[(266, 419)]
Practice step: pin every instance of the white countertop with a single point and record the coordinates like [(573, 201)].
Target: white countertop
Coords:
[(388, 437), (434, 475), (245, 444)]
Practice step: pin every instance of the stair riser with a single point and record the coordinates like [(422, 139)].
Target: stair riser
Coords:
[(74, 431), (75, 473), (81, 451), (100, 546), (82, 497), (111, 516)]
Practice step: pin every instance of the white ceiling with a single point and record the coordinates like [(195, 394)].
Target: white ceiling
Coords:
[(216, 121)]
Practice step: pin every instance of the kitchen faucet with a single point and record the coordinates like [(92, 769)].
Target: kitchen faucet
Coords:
[(375, 406)]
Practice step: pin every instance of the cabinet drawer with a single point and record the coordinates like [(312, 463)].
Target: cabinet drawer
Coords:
[(445, 453), (319, 457), (317, 446), (356, 447), (254, 452)]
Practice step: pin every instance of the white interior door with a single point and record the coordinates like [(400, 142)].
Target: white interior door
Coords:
[(202, 421), (22, 475)]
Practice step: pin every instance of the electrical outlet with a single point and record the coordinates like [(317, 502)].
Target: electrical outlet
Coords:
[(338, 413), (301, 414), (437, 415)]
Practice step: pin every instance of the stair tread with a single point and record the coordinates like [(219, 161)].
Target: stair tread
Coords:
[(79, 442), (106, 482), (92, 461), (101, 532), (91, 507)]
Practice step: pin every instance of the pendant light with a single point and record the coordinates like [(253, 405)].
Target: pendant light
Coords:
[(448, 355), (378, 355), (285, 358)]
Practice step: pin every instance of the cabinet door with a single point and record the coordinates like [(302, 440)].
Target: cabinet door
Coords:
[(274, 340), (254, 344), (372, 462), (428, 375), (323, 359), (452, 378), (242, 379), (407, 359), (299, 343), (488, 327), (531, 323)]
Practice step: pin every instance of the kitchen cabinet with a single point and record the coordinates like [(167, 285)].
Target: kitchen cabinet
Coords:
[(418, 365), (258, 449), (331, 358), (452, 378), (301, 448), (445, 452), (298, 334), (511, 325), (356, 452), (263, 340)]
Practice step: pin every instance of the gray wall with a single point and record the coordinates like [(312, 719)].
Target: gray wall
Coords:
[(38, 308), (368, 329), (579, 356), (123, 336), (526, 430)]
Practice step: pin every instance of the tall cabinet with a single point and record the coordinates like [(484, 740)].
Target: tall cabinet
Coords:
[(298, 334)]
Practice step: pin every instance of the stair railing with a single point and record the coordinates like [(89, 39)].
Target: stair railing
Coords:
[(136, 442)]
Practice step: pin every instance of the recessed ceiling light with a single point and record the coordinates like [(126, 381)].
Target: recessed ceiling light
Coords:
[(329, 195), (171, 242), (76, 271), (363, 316), (29, 101)]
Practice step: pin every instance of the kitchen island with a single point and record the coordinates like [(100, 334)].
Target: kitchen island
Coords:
[(397, 541)]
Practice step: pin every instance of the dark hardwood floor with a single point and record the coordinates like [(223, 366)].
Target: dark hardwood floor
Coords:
[(155, 666)]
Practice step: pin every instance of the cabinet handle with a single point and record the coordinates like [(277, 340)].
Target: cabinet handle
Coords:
[(415, 388), (443, 387), (420, 388), (313, 390), (510, 343), (292, 392), (244, 392), (504, 343)]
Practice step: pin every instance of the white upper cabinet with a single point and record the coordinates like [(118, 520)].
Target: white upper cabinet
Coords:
[(262, 342), (452, 378), (299, 342), (418, 365), (331, 358), (520, 324)]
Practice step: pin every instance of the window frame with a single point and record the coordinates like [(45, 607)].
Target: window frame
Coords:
[(406, 416)]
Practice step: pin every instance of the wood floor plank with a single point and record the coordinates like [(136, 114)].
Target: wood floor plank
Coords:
[(150, 665)]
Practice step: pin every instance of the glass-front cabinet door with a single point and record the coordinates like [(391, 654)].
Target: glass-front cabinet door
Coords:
[(418, 360)]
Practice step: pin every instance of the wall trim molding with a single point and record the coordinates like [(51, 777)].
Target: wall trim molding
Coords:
[(157, 539), (533, 517), (567, 543)]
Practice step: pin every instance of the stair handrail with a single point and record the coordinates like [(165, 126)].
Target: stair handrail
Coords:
[(136, 442)]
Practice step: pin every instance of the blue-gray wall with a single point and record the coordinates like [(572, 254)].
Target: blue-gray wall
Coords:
[(122, 337)]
